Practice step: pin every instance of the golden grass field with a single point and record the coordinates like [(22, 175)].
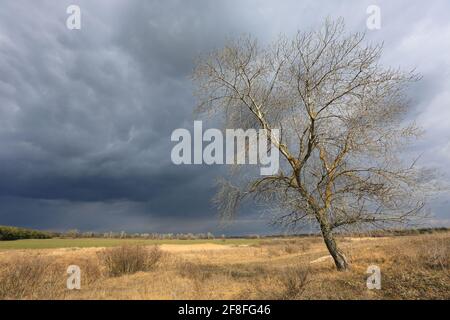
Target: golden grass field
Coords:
[(412, 267)]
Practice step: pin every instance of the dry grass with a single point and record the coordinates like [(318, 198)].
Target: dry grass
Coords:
[(30, 278), (412, 267)]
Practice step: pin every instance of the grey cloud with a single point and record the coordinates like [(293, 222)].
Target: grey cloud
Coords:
[(86, 116)]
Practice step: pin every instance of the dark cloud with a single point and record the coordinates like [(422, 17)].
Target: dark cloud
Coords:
[(86, 116)]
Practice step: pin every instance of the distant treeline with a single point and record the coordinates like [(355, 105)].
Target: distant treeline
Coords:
[(124, 235), (15, 233), (397, 232)]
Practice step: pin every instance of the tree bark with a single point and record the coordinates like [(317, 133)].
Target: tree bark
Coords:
[(339, 258)]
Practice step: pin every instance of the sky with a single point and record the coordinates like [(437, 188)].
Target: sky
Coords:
[(86, 115)]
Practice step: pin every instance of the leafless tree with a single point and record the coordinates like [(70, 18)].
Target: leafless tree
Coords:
[(342, 121)]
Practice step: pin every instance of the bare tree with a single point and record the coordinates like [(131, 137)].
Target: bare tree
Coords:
[(341, 117)]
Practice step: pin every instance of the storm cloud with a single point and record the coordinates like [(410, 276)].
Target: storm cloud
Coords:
[(86, 115)]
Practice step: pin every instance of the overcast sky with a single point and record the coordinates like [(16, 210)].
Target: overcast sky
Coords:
[(86, 115)]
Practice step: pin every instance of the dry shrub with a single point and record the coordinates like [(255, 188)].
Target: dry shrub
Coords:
[(293, 283), (90, 273), (198, 271), (436, 255), (274, 251), (289, 284), (32, 277), (290, 249), (246, 271), (301, 244), (129, 259), (191, 270)]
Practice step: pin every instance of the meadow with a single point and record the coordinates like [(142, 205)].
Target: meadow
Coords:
[(412, 267), (55, 243)]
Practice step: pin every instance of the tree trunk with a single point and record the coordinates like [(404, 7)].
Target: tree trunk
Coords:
[(339, 259)]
